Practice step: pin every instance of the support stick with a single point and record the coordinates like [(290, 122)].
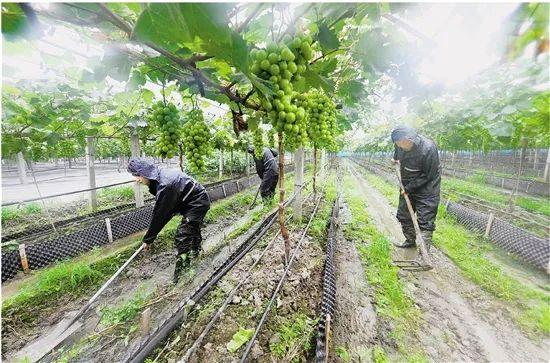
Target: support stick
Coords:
[(89, 303)]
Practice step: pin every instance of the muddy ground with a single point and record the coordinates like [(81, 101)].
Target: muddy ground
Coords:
[(460, 321), (151, 274), (355, 323), (300, 295)]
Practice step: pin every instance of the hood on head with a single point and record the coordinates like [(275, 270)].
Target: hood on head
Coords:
[(144, 168), (250, 149), (403, 132)]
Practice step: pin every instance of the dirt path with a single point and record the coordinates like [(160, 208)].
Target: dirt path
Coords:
[(354, 318), (461, 322)]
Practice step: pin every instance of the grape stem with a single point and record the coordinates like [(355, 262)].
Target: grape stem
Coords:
[(181, 157), (314, 169), (284, 231), (163, 86)]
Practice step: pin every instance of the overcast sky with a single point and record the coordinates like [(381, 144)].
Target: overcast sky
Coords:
[(464, 36)]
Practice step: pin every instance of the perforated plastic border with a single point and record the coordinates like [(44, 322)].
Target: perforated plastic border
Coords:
[(329, 287), (533, 249)]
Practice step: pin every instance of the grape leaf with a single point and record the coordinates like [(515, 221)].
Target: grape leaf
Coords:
[(327, 38), (201, 27)]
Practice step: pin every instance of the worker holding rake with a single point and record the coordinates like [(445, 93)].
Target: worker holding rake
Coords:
[(175, 193), (267, 168), (421, 178)]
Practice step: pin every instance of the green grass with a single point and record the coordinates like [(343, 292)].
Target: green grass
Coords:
[(256, 216), (227, 206), (124, 312), (295, 337), (318, 227), (489, 194), (391, 300), (541, 206), (64, 280), (468, 252), (123, 193), (12, 213)]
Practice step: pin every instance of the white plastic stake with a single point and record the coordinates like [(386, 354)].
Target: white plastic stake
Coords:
[(21, 168), (489, 224), (23, 256), (109, 231), (138, 193)]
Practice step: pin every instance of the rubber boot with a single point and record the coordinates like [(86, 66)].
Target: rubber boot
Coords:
[(195, 248), (182, 263), (410, 236), (427, 236)]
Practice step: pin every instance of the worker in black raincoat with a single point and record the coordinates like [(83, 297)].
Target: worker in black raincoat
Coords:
[(421, 176), (267, 168), (175, 193)]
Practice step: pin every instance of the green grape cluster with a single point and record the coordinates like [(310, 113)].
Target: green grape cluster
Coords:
[(321, 119), (295, 140), (271, 136), (196, 141), (66, 148), (283, 65), (167, 120), (258, 142)]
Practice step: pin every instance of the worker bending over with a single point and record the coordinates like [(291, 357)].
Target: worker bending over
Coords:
[(175, 193), (267, 168)]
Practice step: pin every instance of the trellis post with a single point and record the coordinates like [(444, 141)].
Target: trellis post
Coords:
[(134, 146), (489, 224), (90, 169), (21, 168), (298, 181)]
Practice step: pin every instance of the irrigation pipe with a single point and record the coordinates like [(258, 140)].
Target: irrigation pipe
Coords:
[(229, 298), (62, 194), (281, 281)]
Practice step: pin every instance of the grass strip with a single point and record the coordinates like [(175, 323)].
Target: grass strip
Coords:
[(392, 302), (71, 279), (500, 199)]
